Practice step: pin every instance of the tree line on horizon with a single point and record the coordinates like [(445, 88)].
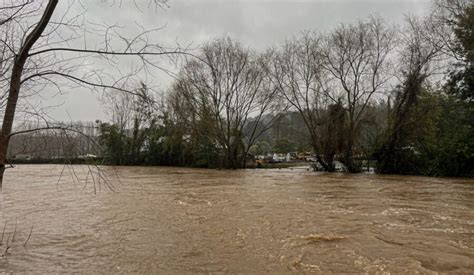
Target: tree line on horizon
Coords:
[(401, 96)]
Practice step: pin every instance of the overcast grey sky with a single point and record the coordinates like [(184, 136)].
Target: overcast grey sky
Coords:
[(256, 23)]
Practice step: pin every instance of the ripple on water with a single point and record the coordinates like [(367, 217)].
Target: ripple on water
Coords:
[(178, 220)]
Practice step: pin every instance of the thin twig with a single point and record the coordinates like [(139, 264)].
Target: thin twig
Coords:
[(29, 236), (14, 231), (3, 233)]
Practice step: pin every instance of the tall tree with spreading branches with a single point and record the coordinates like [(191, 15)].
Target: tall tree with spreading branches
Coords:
[(38, 52)]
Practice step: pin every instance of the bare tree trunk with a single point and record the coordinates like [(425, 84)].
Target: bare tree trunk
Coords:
[(15, 83), (327, 167), (348, 155)]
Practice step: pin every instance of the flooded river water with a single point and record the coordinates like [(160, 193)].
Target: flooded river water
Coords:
[(178, 220)]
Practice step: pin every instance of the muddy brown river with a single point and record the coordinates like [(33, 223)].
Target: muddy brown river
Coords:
[(179, 220)]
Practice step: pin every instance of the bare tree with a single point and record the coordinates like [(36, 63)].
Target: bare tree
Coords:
[(357, 56), (134, 117), (331, 79), (37, 53), (300, 79), (126, 110), (230, 83)]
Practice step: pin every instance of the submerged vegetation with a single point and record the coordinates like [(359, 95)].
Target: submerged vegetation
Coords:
[(364, 91), (367, 94)]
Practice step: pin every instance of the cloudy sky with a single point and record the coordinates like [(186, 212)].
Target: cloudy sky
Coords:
[(256, 23)]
